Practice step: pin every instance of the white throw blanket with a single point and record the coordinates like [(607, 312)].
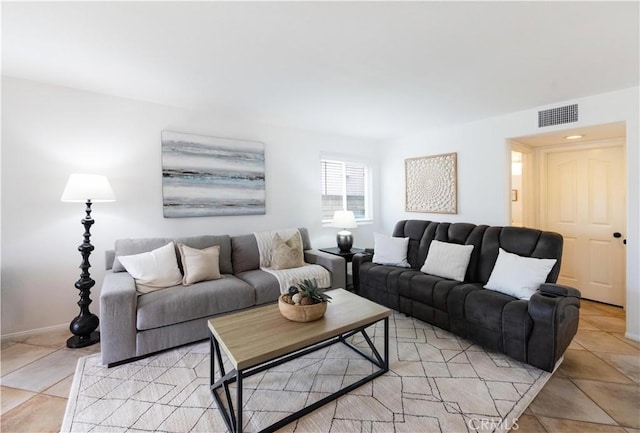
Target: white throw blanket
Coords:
[(293, 276)]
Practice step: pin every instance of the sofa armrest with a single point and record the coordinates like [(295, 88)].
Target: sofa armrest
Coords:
[(357, 260), (334, 264), (558, 290), (109, 258), (118, 310), (555, 323)]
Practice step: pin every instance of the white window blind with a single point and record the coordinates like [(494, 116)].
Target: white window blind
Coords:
[(344, 187)]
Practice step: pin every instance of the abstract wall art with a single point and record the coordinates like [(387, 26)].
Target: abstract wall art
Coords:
[(211, 176), (431, 184)]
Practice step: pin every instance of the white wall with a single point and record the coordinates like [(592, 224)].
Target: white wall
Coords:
[(49, 132), (484, 194)]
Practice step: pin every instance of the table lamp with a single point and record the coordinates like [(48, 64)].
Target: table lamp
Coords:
[(344, 219)]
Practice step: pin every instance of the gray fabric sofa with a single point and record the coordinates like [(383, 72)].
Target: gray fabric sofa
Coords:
[(134, 325), (536, 331)]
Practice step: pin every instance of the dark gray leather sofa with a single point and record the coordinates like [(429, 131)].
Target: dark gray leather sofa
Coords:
[(536, 331)]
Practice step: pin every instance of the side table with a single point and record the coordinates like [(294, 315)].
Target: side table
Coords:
[(347, 256)]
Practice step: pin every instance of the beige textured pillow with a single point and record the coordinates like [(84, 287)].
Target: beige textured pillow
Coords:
[(199, 265), (287, 254)]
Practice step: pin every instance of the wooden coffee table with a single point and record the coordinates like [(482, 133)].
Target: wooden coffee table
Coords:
[(260, 338)]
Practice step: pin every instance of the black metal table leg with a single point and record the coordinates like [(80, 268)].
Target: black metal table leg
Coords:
[(239, 402), (386, 344)]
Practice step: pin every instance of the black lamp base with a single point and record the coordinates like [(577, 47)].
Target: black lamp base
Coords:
[(84, 325), (77, 342)]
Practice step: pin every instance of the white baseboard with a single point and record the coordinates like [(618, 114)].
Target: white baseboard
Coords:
[(33, 332), (633, 337)]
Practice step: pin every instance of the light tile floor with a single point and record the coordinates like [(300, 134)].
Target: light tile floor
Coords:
[(596, 389)]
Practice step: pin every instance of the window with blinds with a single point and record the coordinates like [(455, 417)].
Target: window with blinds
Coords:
[(344, 187)]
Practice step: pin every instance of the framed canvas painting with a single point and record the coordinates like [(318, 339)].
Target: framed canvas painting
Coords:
[(211, 176)]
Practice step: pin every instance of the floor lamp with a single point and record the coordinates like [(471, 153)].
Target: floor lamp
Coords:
[(86, 188)]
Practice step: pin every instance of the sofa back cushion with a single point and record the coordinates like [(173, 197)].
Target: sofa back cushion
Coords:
[(206, 241), (129, 247), (518, 276), (421, 233), (486, 240), (524, 242), (153, 270), (245, 253), (464, 234), (447, 260), (415, 230), (126, 247), (390, 250)]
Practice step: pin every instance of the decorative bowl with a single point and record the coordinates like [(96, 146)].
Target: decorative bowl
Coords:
[(302, 313)]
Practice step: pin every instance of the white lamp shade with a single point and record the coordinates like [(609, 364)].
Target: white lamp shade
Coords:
[(83, 187), (344, 219)]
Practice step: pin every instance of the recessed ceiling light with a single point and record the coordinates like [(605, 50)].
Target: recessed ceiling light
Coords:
[(573, 137)]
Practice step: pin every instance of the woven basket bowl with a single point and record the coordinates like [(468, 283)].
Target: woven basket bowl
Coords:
[(302, 313)]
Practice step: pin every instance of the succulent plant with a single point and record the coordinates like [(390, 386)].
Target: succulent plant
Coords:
[(310, 288)]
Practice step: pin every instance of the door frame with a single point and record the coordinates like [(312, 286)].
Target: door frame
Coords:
[(529, 194)]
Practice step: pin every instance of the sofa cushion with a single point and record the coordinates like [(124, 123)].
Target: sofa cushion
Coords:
[(129, 247), (287, 254), (178, 304), (206, 241), (447, 260), (266, 285), (484, 308), (522, 241), (390, 250), (246, 256), (153, 270), (518, 276), (425, 289), (420, 234), (380, 283), (125, 247), (199, 265), (265, 241)]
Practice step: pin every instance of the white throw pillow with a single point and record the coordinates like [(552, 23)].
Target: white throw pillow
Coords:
[(389, 250), (157, 269), (518, 276), (199, 265), (447, 260)]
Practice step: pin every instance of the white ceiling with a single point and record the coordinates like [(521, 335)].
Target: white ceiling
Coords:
[(370, 69)]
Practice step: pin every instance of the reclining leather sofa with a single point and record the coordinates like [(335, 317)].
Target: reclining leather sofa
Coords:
[(133, 325), (536, 331)]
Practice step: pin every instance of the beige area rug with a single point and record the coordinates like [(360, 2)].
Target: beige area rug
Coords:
[(437, 383)]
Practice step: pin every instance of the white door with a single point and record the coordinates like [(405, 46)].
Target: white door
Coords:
[(586, 204)]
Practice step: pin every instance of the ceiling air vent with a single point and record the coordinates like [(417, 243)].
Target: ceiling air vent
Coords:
[(558, 116)]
